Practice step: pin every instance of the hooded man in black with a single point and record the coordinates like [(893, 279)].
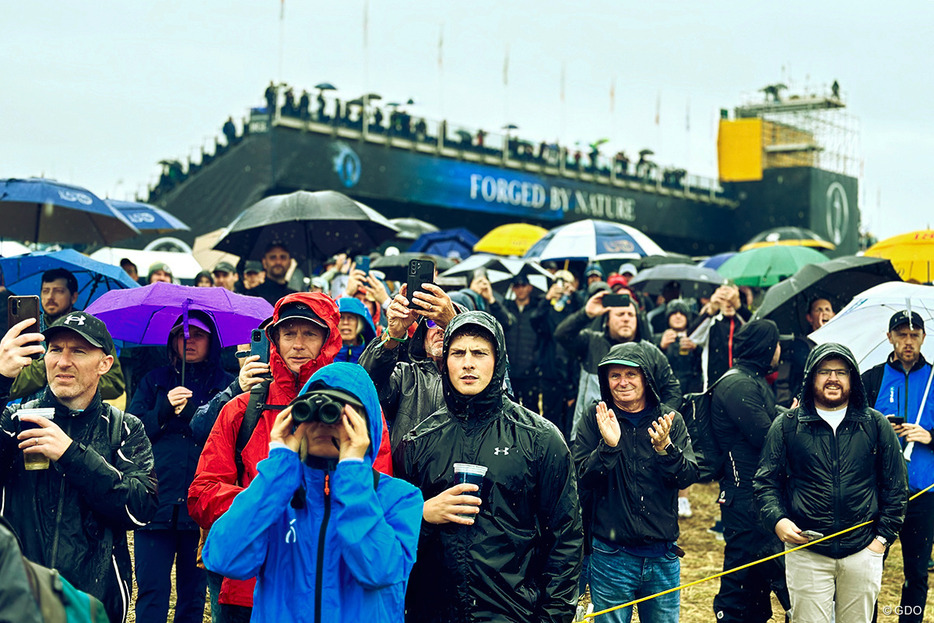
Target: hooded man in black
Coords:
[(512, 550), (742, 409)]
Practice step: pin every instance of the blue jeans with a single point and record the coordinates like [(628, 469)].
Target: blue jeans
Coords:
[(617, 578)]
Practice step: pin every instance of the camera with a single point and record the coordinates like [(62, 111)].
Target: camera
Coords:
[(324, 405)]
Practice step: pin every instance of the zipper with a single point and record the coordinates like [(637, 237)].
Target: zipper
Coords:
[(58, 522), (836, 479), (319, 566)]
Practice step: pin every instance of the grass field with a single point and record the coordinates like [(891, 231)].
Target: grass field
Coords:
[(704, 557)]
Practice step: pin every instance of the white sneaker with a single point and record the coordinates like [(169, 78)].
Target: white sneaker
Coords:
[(684, 507)]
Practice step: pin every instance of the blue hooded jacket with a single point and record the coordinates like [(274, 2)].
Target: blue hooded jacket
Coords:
[(351, 305), (345, 552)]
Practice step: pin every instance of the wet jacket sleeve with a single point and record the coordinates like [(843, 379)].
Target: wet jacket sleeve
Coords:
[(151, 405), (16, 600), (380, 364), (771, 477), (679, 466), (571, 334), (377, 534), (124, 493), (204, 417), (669, 389), (562, 533), (893, 481), (238, 541), (215, 484), (33, 378)]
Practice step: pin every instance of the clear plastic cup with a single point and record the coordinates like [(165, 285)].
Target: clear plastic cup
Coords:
[(34, 461), (473, 474)]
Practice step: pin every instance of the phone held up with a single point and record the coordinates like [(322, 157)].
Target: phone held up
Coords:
[(20, 308), (259, 345), (362, 262), (616, 300), (895, 419), (420, 272)]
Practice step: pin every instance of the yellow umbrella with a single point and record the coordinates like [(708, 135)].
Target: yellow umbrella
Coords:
[(511, 239), (911, 254)]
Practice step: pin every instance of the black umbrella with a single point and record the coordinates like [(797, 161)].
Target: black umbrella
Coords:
[(695, 281), (395, 266), (312, 225), (837, 280), (411, 228)]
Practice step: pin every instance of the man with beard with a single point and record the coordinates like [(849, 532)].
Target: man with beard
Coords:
[(408, 380), (832, 463), (276, 263), (742, 409)]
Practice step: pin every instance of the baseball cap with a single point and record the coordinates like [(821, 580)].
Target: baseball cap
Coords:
[(252, 266), (628, 268), (85, 325), (298, 310), (192, 322), (520, 280), (224, 267), (616, 280), (594, 269), (160, 266), (904, 317)]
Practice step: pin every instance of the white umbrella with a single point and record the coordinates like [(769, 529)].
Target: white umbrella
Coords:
[(862, 325), (593, 240)]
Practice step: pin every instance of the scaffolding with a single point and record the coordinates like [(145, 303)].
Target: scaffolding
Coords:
[(812, 129)]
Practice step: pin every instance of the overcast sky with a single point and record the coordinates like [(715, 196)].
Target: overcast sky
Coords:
[(96, 93)]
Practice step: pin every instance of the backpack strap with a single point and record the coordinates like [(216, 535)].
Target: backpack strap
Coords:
[(254, 411)]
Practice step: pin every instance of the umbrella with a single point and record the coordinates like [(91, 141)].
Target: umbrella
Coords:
[(592, 240), (147, 218), (511, 239), (203, 250), (837, 280), (446, 242), (715, 261), (396, 266), (41, 210), (767, 266), (309, 224), (694, 281), (912, 254), (325, 86), (651, 261), (789, 236), (862, 325), (23, 274), (411, 228), (500, 271)]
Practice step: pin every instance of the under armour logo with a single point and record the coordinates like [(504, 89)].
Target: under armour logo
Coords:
[(78, 320), (498, 451), (290, 536)]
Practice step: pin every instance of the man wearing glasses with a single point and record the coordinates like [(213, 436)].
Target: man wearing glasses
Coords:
[(832, 463)]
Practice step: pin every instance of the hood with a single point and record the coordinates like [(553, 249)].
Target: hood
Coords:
[(214, 352), (354, 380), (755, 344), (326, 309), (596, 286), (491, 398), (633, 352), (350, 304), (819, 354), (678, 305)]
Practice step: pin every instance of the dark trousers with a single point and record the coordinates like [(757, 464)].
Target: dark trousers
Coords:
[(555, 407), (526, 391), (225, 613), (744, 595), (155, 551), (916, 536)]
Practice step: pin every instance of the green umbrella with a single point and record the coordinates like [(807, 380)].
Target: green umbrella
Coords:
[(767, 266)]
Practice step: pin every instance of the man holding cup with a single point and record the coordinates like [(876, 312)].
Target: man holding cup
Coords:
[(508, 548), (100, 482)]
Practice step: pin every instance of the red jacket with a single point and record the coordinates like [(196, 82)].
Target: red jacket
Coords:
[(215, 484)]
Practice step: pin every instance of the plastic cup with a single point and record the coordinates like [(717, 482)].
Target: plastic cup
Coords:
[(34, 461), (472, 474)]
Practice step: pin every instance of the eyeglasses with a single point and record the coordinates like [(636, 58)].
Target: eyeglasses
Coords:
[(841, 373)]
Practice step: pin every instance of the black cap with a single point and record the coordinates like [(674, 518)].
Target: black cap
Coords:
[(520, 280), (85, 325), (224, 267), (299, 310), (252, 266), (903, 317)]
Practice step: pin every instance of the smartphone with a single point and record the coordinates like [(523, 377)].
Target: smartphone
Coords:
[(616, 300), (895, 419), (420, 272), (259, 345), (20, 308), (362, 262), (811, 535)]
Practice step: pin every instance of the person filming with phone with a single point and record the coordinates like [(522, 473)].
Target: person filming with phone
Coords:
[(76, 473), (901, 389)]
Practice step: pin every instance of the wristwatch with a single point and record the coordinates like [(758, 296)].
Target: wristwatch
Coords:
[(883, 540), (669, 448)]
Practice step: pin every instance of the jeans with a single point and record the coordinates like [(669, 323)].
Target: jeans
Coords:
[(617, 578), (155, 551)]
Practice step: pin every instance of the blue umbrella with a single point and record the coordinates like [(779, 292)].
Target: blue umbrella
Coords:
[(147, 218), (714, 261), (40, 210), (593, 240), (445, 242), (23, 274)]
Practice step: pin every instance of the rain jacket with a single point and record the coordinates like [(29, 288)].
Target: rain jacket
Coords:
[(74, 516), (827, 482), (590, 344), (743, 406), (215, 484), (16, 599), (893, 392), (175, 450), (349, 304), (521, 559), (632, 489), (345, 553), (409, 390)]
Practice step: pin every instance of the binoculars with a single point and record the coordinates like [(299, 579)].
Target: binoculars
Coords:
[(325, 406)]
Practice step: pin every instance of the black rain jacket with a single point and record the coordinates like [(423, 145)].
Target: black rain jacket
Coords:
[(633, 490), (521, 559), (826, 482)]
